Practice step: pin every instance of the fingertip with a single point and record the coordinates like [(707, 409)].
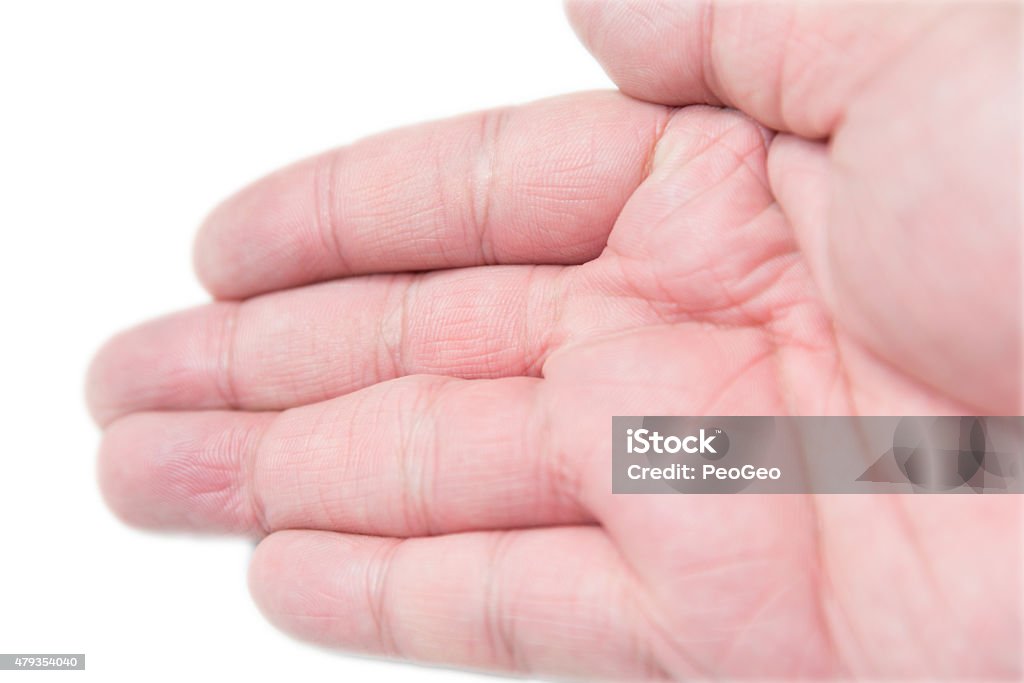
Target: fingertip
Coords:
[(93, 389), (281, 558), (313, 585), (123, 480), (170, 362), (576, 11), (277, 583), (267, 567), (587, 18), (179, 472), (221, 256), (205, 259), (103, 379), (653, 51), (267, 235)]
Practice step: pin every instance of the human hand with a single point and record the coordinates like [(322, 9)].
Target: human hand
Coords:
[(423, 440)]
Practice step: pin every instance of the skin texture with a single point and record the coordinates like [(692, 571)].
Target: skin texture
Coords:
[(405, 387)]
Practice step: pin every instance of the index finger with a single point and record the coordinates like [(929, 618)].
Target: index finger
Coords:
[(538, 184)]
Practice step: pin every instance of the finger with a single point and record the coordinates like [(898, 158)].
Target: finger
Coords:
[(535, 184), (792, 66), (910, 170), (546, 601), (311, 344), (415, 456)]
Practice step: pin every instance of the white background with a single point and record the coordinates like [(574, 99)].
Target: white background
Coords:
[(121, 125)]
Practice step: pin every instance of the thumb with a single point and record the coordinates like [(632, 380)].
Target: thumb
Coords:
[(906, 203), (794, 67)]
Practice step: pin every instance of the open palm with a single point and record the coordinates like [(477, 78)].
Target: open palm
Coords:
[(424, 438)]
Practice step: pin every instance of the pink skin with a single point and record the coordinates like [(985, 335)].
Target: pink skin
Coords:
[(425, 454)]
